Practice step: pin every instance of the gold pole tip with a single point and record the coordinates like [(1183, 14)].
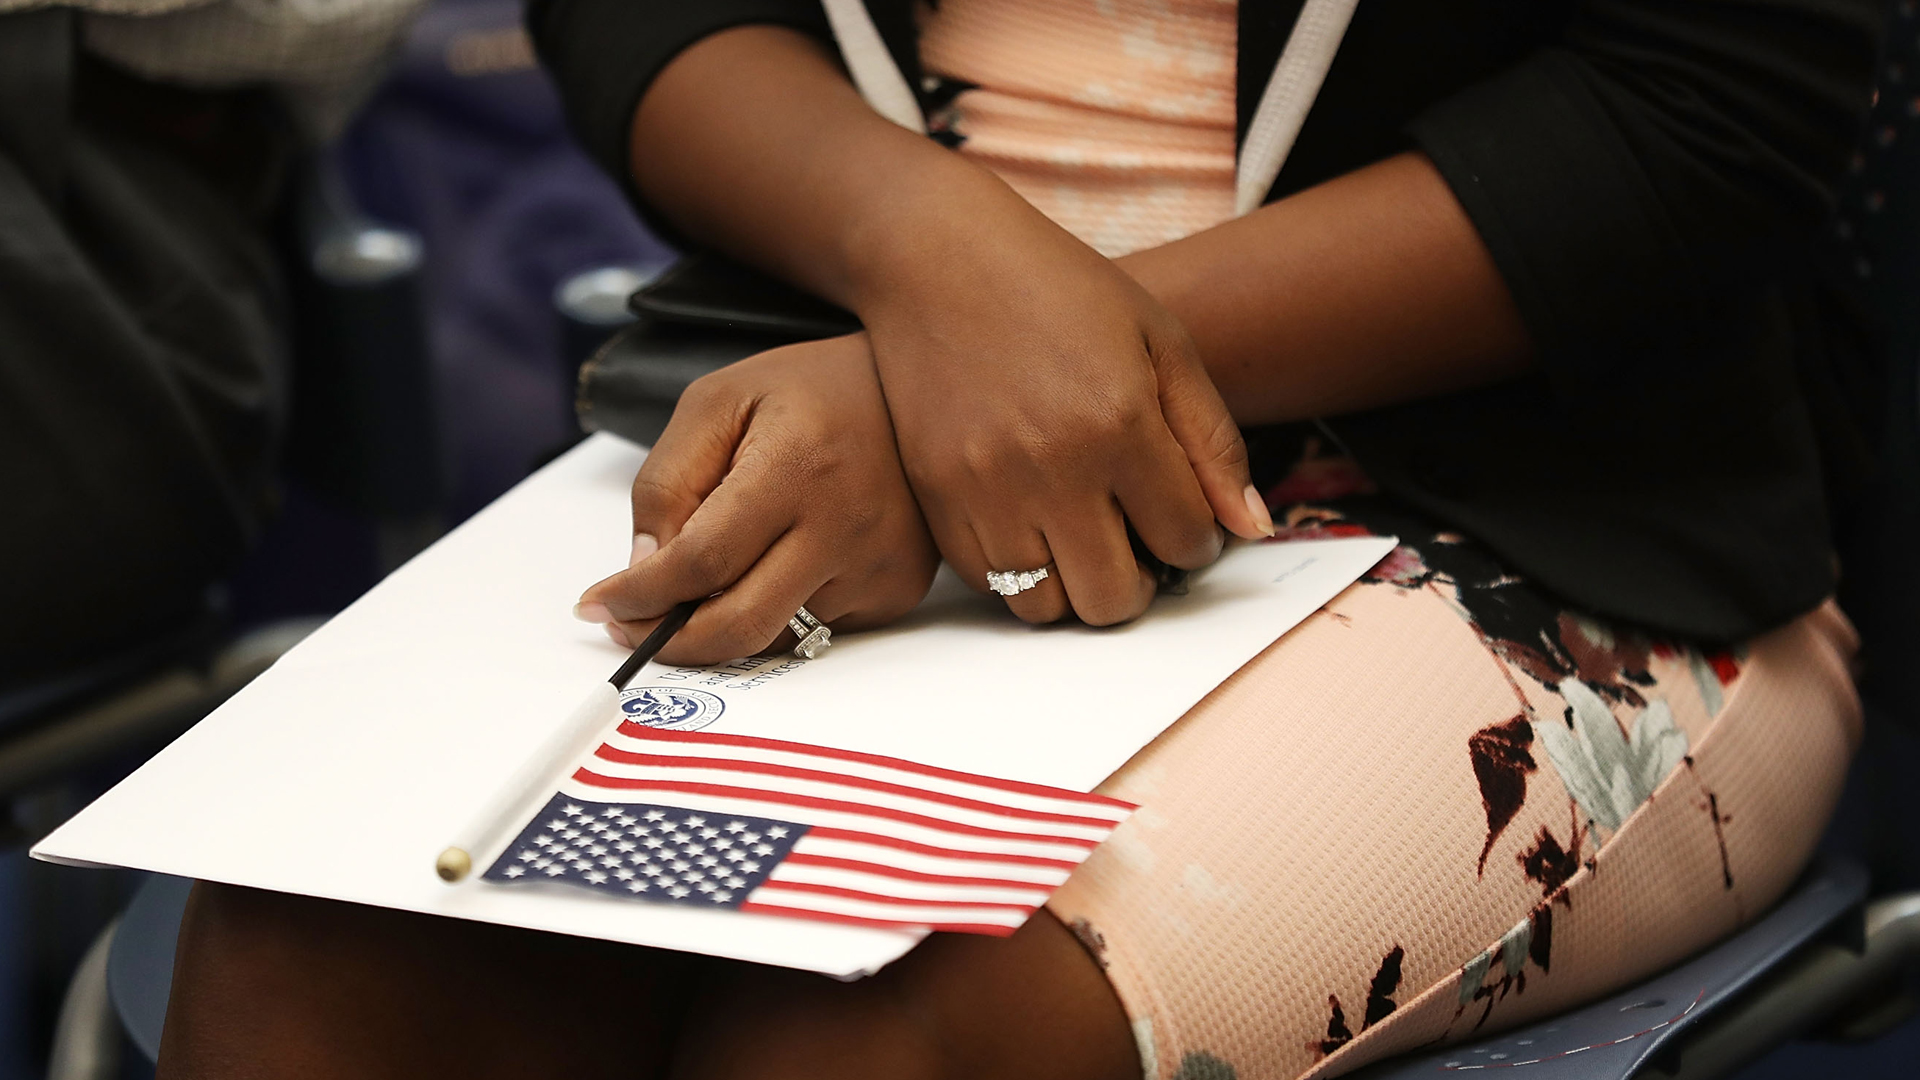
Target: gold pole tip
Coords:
[(452, 865)]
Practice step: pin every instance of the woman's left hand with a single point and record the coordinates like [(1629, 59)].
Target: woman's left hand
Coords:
[(775, 485)]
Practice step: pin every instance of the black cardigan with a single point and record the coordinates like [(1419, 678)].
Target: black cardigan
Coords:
[(1649, 176)]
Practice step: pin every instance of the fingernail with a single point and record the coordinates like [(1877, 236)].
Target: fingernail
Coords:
[(592, 611), (1257, 506), (619, 636), (643, 546)]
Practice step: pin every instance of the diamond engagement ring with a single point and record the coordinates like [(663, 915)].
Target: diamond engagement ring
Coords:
[(1014, 582), (813, 634)]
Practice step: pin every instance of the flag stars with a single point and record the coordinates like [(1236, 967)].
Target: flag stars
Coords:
[(656, 854)]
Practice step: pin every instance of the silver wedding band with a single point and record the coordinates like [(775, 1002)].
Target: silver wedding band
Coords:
[(813, 634), (1014, 582)]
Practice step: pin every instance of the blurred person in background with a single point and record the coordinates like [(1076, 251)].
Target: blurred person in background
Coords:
[(145, 147)]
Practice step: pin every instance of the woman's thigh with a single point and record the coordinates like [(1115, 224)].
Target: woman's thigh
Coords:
[(1441, 806), (271, 985)]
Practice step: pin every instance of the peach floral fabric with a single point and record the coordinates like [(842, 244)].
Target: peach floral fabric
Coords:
[(1114, 117), (1442, 806)]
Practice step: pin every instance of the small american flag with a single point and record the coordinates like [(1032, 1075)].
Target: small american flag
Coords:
[(783, 828)]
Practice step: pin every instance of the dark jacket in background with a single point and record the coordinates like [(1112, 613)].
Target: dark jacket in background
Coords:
[(1649, 176), (141, 368)]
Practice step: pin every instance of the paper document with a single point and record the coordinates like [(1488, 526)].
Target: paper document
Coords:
[(343, 769)]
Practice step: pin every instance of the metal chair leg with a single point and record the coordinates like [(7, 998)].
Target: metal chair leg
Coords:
[(86, 1039)]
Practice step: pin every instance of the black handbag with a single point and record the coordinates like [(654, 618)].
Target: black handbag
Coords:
[(702, 314)]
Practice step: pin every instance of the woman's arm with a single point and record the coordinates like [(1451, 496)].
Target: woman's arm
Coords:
[(1044, 403), (753, 141), (1369, 289)]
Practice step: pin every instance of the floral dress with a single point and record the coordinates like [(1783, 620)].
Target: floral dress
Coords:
[(1446, 802)]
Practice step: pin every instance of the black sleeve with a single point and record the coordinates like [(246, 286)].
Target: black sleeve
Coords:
[(605, 53), (1660, 153)]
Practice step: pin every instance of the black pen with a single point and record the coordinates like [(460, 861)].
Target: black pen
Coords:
[(534, 782)]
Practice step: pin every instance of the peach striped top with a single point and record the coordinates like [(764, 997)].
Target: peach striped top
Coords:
[(1114, 117)]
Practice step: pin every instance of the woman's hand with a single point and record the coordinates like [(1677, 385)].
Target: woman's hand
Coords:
[(777, 485), (1043, 402)]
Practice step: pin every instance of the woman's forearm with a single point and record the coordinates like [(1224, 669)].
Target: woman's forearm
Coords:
[(1366, 290), (754, 141)]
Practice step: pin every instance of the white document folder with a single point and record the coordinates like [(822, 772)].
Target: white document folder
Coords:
[(343, 770)]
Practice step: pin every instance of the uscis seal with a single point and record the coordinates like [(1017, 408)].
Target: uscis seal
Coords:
[(676, 708)]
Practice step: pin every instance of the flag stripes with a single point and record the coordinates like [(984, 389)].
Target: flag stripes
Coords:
[(782, 828)]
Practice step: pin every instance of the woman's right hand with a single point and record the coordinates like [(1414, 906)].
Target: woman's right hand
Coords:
[(776, 485)]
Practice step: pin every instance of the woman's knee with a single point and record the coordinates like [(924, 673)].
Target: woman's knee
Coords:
[(1034, 1005), (269, 984)]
